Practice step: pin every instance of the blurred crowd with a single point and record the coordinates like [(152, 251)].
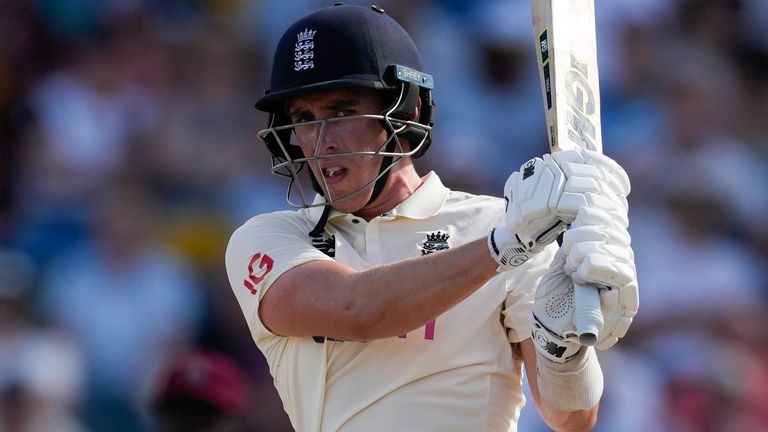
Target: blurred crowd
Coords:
[(128, 154)]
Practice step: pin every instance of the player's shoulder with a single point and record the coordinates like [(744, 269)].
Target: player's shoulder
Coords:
[(477, 210), (269, 232), (287, 222), (474, 204), (455, 196)]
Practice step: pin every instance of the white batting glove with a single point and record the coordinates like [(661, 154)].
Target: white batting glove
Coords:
[(545, 195), (596, 250), (598, 253)]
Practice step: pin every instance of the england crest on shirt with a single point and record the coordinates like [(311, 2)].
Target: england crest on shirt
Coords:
[(435, 241)]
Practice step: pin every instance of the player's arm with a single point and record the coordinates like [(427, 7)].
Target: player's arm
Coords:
[(328, 298)]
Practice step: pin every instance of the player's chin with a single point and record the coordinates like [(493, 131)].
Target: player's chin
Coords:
[(350, 201)]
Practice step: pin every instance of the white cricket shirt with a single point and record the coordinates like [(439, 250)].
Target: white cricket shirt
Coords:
[(456, 373)]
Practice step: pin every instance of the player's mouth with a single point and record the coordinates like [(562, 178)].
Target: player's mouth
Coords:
[(334, 174)]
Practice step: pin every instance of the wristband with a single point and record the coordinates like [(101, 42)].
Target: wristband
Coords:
[(571, 386)]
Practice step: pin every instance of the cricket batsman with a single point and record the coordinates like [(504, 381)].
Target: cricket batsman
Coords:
[(387, 301)]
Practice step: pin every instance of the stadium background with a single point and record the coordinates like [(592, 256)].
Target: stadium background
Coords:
[(128, 154)]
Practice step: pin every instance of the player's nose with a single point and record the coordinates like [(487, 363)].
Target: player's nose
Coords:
[(329, 140)]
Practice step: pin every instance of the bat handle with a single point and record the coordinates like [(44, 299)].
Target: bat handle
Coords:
[(588, 315)]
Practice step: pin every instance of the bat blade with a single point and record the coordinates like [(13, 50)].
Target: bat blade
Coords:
[(566, 41)]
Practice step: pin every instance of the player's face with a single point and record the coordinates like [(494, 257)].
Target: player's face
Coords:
[(341, 175)]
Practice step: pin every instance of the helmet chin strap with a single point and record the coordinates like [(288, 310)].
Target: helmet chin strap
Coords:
[(404, 108), (317, 231), (386, 162)]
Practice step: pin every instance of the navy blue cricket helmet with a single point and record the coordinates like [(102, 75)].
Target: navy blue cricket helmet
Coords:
[(345, 46)]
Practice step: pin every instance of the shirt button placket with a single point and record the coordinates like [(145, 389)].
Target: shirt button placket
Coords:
[(373, 239), (358, 227)]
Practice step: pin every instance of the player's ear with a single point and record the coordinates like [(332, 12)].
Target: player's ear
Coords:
[(417, 110)]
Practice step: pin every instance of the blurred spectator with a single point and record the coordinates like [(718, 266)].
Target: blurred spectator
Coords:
[(23, 52), (41, 369), (489, 71), (128, 301), (86, 113), (202, 391), (205, 118)]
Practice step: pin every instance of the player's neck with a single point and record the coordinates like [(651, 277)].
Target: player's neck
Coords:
[(403, 181)]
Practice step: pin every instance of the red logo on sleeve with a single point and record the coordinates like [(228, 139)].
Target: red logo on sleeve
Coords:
[(260, 265)]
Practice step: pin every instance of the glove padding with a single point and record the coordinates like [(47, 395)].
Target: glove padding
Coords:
[(596, 250), (545, 195)]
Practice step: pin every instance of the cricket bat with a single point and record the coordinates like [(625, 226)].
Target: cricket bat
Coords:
[(566, 42)]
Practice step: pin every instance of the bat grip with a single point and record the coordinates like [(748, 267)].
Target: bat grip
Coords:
[(588, 315)]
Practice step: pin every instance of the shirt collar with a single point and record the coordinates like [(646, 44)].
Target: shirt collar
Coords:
[(424, 202), (316, 212)]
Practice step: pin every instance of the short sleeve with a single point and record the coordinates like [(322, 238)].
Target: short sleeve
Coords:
[(262, 250), (522, 283)]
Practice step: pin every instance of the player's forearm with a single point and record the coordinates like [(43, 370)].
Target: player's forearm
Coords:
[(327, 298), (399, 297)]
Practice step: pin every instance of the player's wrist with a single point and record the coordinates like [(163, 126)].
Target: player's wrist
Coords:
[(506, 249)]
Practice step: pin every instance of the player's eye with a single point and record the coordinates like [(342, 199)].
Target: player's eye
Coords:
[(345, 113), (301, 119)]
